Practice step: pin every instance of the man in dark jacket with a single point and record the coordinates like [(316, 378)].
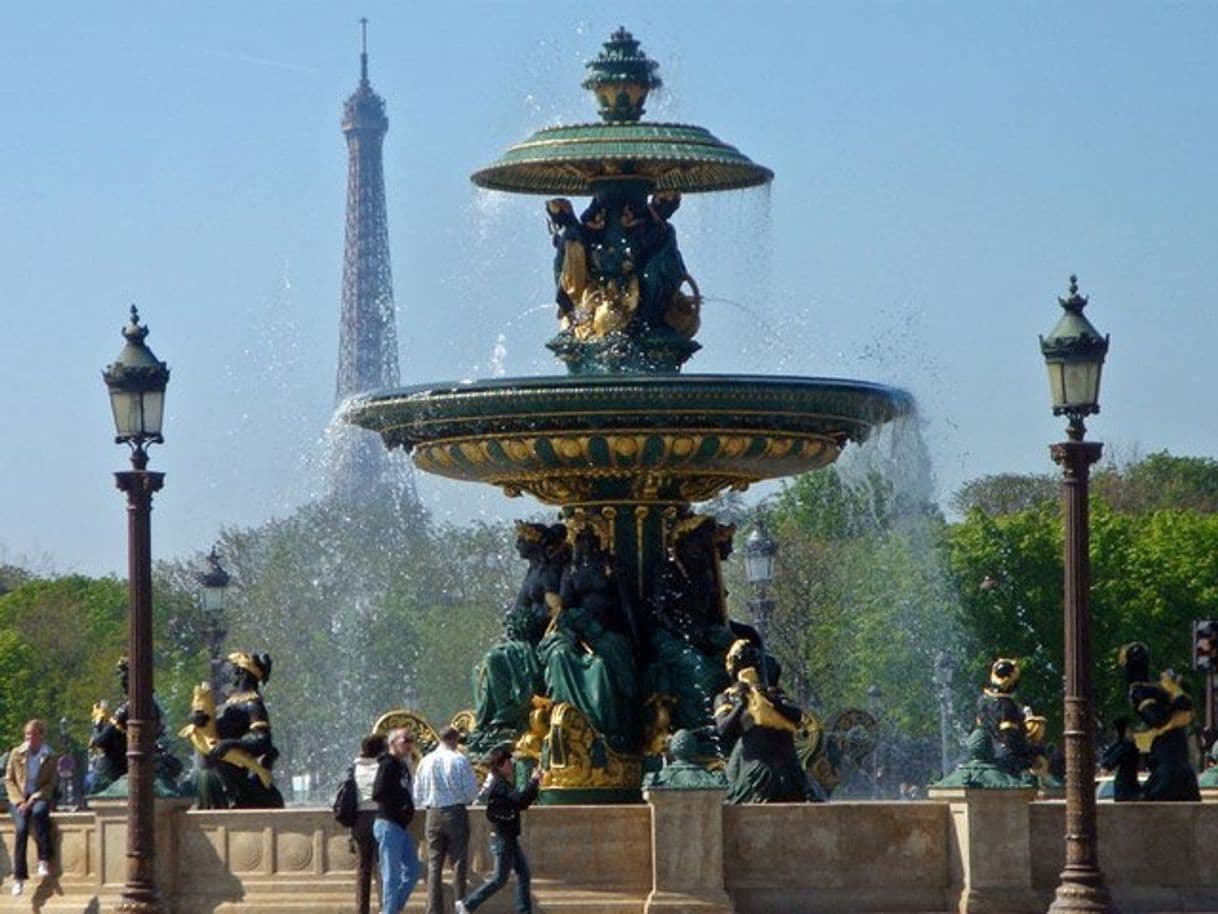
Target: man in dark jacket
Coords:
[(504, 804), (399, 858)]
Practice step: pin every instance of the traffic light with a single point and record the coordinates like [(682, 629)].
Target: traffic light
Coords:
[(1205, 645)]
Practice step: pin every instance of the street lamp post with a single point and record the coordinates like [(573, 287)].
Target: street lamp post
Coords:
[(136, 382), (759, 553), (214, 583), (943, 683), (1074, 354), (875, 697)]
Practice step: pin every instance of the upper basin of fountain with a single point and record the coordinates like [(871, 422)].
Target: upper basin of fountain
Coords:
[(657, 437), (573, 159)]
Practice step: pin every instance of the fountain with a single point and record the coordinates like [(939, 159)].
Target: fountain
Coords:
[(625, 444)]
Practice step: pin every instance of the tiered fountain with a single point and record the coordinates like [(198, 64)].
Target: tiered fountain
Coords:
[(624, 444)]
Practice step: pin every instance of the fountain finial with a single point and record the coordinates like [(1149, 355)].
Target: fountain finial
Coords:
[(621, 77)]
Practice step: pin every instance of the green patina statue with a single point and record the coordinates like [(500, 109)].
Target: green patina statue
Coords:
[(683, 770), (107, 774), (691, 632), (587, 653), (510, 674), (979, 771)]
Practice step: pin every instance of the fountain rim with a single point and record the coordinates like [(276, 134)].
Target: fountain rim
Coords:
[(570, 158), (372, 410)]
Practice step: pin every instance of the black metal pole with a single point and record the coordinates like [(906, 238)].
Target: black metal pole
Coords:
[(1082, 889), (140, 891)]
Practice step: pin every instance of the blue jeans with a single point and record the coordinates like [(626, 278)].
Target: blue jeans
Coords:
[(508, 856), (40, 817), (399, 860)]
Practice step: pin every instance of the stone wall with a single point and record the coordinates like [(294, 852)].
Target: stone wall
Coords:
[(838, 858), (965, 851)]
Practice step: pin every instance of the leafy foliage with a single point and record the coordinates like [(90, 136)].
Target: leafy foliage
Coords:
[(1154, 568), (59, 641)]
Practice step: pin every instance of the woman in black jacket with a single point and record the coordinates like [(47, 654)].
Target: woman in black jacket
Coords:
[(504, 804)]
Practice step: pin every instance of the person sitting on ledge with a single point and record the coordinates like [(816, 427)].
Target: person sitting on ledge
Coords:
[(30, 780)]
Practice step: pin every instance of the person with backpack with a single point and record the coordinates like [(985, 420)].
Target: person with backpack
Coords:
[(399, 858), (504, 803), (362, 775)]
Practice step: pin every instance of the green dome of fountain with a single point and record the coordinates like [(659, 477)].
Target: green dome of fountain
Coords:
[(669, 157)]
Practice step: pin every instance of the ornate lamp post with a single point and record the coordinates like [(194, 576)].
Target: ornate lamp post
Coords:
[(943, 683), (759, 553), (137, 396), (214, 583), (1074, 354)]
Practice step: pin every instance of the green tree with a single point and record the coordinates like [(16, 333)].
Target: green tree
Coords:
[(1159, 482), (1005, 493), (60, 639)]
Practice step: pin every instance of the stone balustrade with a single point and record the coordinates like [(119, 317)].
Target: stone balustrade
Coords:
[(966, 851)]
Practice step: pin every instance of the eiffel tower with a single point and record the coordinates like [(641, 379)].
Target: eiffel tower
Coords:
[(359, 465)]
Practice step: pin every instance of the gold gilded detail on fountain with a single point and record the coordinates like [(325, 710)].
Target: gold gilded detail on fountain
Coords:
[(476, 452), (609, 513), (564, 468), (626, 449), (704, 488), (425, 736), (577, 756), (533, 740), (572, 447), (519, 450), (581, 521), (680, 445)]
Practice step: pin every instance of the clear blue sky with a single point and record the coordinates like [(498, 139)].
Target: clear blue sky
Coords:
[(941, 169)]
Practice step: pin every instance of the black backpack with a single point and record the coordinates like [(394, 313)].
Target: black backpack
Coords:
[(346, 801)]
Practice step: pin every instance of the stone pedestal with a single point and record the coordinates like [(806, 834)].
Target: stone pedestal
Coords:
[(687, 852), (990, 834)]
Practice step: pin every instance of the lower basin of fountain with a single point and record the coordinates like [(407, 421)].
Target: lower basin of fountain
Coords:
[(572, 439)]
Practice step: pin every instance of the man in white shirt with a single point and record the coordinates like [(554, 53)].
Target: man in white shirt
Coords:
[(444, 785)]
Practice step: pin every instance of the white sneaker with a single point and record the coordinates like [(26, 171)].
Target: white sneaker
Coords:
[(44, 868), (461, 908), (18, 887)]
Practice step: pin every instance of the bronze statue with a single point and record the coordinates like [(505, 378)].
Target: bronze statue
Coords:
[(1121, 758), (587, 653), (690, 631), (510, 674), (618, 265), (683, 769), (1016, 735), (234, 741), (1166, 713), (757, 715), (108, 746)]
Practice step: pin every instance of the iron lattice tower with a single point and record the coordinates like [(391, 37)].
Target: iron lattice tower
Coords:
[(367, 347)]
